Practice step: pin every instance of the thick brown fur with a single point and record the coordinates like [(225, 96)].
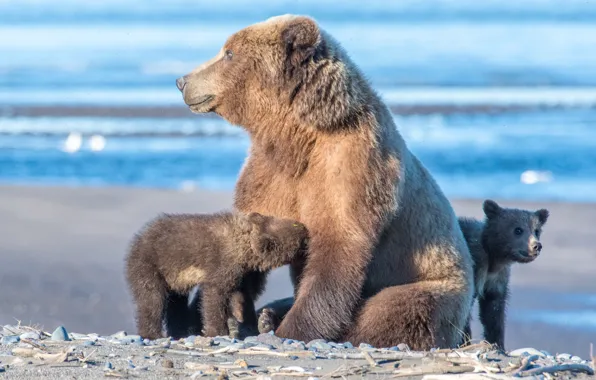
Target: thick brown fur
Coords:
[(226, 254), (325, 151), (505, 237)]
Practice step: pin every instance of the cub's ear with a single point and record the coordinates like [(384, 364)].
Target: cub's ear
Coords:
[(301, 35), (491, 208), (542, 215), (256, 218)]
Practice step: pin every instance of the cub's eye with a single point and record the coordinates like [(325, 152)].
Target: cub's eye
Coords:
[(537, 232), (228, 55), (518, 231)]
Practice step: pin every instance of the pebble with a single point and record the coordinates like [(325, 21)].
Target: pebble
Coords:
[(249, 339), (576, 359), (394, 348), (272, 340), (60, 334), (119, 335), (108, 366), (10, 339), (365, 346), (31, 335), (299, 346), (2, 368), (167, 363), (348, 345), (77, 336), (563, 357), (134, 338), (264, 346), (403, 347), (527, 351), (336, 345), (318, 344), (88, 343), (309, 344)]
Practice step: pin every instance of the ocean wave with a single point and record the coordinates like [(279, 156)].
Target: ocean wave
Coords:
[(72, 10)]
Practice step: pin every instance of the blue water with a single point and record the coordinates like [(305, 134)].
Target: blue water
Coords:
[(111, 52)]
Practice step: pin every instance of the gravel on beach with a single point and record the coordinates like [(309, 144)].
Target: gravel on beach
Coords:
[(29, 353)]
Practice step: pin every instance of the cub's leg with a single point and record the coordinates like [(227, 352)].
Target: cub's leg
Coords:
[(492, 306), (149, 292), (215, 311)]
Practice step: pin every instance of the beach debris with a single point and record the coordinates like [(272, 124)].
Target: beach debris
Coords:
[(30, 335), (60, 334), (527, 351), (266, 356), (10, 339)]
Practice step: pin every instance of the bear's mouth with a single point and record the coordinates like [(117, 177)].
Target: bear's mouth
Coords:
[(201, 104), (524, 257)]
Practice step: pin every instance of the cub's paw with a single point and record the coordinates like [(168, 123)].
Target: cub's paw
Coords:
[(268, 321)]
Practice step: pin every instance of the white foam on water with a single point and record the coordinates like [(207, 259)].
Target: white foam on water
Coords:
[(167, 96)]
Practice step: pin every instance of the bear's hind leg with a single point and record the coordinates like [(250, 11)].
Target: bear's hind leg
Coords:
[(422, 315)]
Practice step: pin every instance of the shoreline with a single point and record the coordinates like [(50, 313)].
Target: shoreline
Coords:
[(63, 248)]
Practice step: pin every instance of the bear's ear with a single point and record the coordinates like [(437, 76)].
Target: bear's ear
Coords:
[(542, 215), (491, 208), (301, 36)]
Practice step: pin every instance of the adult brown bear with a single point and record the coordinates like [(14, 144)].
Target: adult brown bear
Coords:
[(387, 260)]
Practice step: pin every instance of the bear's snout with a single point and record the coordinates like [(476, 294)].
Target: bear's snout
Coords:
[(180, 83), (536, 248)]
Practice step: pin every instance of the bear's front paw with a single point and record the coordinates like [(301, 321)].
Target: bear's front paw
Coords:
[(268, 321)]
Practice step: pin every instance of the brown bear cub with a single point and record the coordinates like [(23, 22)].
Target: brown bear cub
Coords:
[(506, 236), (219, 252)]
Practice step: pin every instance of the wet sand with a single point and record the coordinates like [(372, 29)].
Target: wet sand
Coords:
[(62, 255)]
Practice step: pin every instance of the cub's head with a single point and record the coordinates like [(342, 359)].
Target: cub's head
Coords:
[(284, 69), (513, 234), (276, 241)]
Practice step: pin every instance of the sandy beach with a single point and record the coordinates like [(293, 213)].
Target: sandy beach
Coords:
[(63, 248)]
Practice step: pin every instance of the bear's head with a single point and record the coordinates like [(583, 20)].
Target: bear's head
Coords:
[(276, 241), (511, 234), (284, 71)]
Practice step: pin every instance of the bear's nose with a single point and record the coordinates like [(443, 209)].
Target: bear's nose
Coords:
[(537, 247), (180, 83)]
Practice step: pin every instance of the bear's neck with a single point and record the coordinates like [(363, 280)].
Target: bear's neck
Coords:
[(495, 260), (288, 148)]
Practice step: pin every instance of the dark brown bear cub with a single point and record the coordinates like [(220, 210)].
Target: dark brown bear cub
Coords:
[(174, 253), (506, 236)]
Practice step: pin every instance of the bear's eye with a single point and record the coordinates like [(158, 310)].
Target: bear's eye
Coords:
[(228, 55), (518, 231), (537, 233)]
